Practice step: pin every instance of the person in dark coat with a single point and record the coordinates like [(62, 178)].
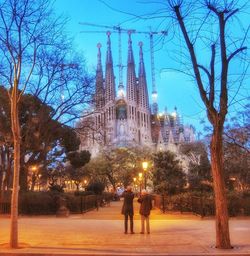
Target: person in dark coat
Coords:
[(128, 209), (146, 206)]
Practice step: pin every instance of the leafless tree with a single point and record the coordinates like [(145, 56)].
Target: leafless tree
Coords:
[(204, 25), (34, 48)]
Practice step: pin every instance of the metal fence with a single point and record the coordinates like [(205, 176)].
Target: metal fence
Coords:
[(30, 205), (197, 205), (203, 205), (4, 207)]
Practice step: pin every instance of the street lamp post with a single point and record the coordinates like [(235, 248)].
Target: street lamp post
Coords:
[(33, 176), (140, 180), (39, 181), (85, 184), (145, 167), (134, 179)]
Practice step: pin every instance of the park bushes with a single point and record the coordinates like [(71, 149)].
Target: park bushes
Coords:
[(203, 203), (37, 203), (238, 204), (43, 203), (79, 204)]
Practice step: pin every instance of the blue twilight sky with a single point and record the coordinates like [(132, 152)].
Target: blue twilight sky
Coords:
[(174, 88)]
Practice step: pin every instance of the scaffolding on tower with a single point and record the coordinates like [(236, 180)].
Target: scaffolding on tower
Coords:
[(120, 30), (113, 29)]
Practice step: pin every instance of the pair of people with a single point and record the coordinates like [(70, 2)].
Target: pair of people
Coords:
[(145, 201)]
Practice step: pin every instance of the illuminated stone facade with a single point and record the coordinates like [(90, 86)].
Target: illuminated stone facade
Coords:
[(124, 119)]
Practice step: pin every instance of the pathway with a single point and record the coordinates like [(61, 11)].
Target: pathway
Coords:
[(101, 233)]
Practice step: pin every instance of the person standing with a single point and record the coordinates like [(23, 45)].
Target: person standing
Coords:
[(128, 209), (146, 206)]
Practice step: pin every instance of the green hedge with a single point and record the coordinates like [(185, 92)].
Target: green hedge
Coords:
[(238, 204), (203, 203), (38, 203), (79, 204), (42, 203)]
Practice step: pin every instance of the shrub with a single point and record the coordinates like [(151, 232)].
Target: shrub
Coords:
[(83, 193), (108, 196), (246, 194), (96, 187), (40, 203), (73, 203), (56, 188), (37, 203)]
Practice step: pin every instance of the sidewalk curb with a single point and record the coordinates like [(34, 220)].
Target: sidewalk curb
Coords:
[(120, 254)]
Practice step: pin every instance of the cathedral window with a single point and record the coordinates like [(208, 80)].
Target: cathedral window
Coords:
[(99, 119), (121, 110)]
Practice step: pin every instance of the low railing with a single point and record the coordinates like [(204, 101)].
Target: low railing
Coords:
[(202, 205), (197, 205), (4, 207), (29, 205)]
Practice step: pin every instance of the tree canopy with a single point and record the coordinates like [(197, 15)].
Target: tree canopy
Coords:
[(40, 135), (118, 166), (168, 175), (199, 168)]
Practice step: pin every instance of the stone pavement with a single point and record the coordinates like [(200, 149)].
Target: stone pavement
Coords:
[(101, 233)]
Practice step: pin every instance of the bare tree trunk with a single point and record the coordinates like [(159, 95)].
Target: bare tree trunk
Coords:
[(15, 191), (2, 171), (222, 220), (77, 186), (8, 170), (216, 102), (23, 175), (1, 183)]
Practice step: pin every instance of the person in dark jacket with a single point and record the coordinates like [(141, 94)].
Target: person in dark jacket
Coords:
[(128, 209), (146, 206)]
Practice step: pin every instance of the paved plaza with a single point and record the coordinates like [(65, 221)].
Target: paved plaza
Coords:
[(101, 233)]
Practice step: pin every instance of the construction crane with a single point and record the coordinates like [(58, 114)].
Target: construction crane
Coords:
[(116, 29), (151, 43), (151, 34)]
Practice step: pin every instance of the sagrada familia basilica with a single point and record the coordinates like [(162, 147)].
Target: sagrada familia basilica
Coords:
[(124, 117)]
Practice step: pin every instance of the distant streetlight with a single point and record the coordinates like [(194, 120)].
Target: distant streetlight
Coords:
[(85, 182), (145, 167), (33, 168), (39, 181), (33, 176)]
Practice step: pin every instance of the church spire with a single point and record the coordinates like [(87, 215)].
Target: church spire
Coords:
[(142, 84), (109, 74), (109, 53), (99, 58), (131, 76), (141, 61), (99, 88), (130, 50)]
